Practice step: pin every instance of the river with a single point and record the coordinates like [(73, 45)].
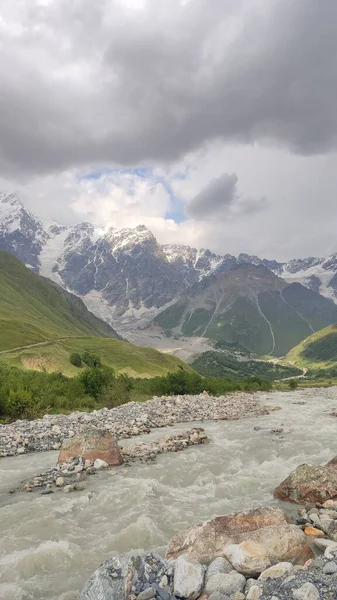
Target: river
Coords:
[(49, 545)]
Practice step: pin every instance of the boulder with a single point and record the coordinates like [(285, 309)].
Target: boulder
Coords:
[(116, 578), (226, 583), (277, 571), (308, 484), (248, 558), (267, 526), (188, 578), (92, 444), (218, 565)]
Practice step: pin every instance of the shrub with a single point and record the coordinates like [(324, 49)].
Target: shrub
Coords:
[(293, 384), (20, 405), (91, 360), (75, 359), (95, 379), (117, 392)]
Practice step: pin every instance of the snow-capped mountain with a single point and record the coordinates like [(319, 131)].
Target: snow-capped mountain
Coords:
[(21, 233), (124, 275)]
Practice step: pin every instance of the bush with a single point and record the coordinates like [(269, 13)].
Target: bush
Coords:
[(20, 405), (117, 392), (91, 360), (95, 379), (293, 384), (75, 359)]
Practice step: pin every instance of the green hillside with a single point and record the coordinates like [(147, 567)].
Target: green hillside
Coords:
[(34, 309), (123, 357), (318, 351), (219, 364), (252, 307)]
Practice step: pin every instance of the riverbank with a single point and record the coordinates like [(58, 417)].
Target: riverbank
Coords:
[(128, 420), (50, 545)]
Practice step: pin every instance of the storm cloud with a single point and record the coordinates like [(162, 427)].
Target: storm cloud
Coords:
[(125, 83)]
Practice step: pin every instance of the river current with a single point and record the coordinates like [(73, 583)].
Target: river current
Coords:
[(49, 545)]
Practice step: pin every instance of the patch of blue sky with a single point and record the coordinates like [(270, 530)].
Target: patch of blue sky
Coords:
[(176, 211)]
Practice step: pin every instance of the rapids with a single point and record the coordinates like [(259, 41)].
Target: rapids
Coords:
[(49, 545)]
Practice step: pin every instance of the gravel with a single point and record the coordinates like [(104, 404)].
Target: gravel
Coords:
[(132, 419)]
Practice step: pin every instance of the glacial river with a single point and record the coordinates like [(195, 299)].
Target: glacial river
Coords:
[(49, 545)]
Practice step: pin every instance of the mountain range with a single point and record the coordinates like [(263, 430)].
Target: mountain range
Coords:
[(127, 278)]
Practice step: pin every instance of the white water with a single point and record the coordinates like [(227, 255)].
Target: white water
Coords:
[(49, 545)]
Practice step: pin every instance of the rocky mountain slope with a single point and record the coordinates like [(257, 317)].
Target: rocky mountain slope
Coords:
[(125, 276), (252, 306)]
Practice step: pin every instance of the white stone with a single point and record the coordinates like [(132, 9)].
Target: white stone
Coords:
[(277, 571), (21, 451), (306, 592), (59, 482), (188, 577), (248, 558), (254, 593), (218, 565), (226, 583), (100, 464)]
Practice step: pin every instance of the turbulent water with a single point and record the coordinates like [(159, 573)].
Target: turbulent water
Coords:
[(49, 545)]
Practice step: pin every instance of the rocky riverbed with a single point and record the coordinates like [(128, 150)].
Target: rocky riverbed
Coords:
[(50, 544), (132, 419), (71, 475)]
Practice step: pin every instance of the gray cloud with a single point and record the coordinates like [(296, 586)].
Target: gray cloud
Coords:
[(221, 198), (98, 83), (215, 198)]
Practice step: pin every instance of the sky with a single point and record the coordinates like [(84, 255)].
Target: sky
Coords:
[(212, 122)]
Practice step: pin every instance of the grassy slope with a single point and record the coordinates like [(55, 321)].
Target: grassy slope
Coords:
[(121, 356), (318, 351), (33, 309), (218, 364)]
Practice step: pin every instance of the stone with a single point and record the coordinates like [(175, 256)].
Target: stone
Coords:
[(147, 594), (306, 592), (226, 583), (330, 568), (277, 571), (68, 488), (313, 532), (248, 558), (59, 482), (309, 484), (265, 525), (100, 464), (91, 444), (254, 593), (80, 486), (238, 596), (216, 596), (188, 578), (218, 565)]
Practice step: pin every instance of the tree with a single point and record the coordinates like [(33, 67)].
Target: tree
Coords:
[(75, 359), (91, 360), (94, 379), (293, 384)]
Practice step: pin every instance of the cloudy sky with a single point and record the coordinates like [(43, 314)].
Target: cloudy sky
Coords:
[(214, 122)]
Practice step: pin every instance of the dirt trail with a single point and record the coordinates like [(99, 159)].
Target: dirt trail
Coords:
[(34, 345)]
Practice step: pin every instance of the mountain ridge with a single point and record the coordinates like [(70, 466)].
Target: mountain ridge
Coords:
[(124, 275)]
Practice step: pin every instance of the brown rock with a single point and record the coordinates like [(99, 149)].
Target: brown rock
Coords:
[(308, 484), (313, 532), (267, 526), (91, 444)]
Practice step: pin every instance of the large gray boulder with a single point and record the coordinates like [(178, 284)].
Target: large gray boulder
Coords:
[(116, 577)]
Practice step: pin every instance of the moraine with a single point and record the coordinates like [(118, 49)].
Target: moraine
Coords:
[(50, 545)]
